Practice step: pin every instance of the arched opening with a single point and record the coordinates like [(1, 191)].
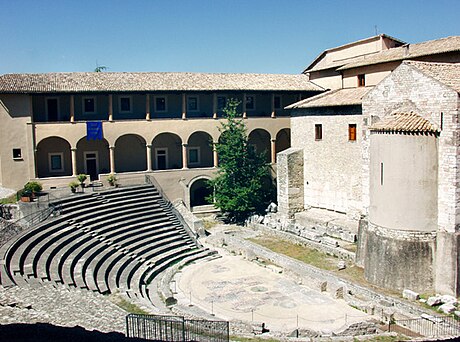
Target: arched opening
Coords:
[(167, 151), (130, 153), (198, 192), (259, 139), (199, 150), (283, 140), (54, 158), (93, 157)]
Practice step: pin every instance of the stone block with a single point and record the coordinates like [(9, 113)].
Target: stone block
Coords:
[(435, 300), (447, 308), (341, 265), (411, 295), (449, 299)]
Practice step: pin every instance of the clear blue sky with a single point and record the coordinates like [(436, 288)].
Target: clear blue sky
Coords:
[(262, 36)]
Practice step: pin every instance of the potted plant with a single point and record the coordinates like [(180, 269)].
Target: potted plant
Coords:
[(24, 195), (81, 179), (31, 188), (73, 186), (112, 179)]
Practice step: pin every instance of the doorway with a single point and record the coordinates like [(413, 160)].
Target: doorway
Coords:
[(161, 158), (92, 165)]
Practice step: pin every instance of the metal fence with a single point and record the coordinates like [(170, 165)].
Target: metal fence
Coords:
[(176, 328), (427, 327)]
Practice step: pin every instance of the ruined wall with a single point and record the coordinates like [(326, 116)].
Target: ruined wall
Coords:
[(289, 181)]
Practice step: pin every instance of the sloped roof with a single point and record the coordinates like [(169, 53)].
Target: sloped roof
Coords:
[(447, 73), (337, 97), (151, 81), (404, 122), (336, 64), (408, 51)]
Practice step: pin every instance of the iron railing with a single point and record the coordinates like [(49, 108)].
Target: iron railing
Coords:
[(433, 326), (176, 328)]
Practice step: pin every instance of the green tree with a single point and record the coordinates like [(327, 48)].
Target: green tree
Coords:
[(239, 186)]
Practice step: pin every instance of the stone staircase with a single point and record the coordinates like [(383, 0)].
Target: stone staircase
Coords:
[(117, 240)]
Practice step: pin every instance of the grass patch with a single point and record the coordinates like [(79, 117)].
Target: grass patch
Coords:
[(385, 338), (8, 200), (307, 255), (127, 306), (318, 259)]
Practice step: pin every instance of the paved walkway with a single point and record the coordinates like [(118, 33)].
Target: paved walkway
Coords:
[(60, 306), (235, 288)]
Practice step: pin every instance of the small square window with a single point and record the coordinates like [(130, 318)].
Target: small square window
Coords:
[(277, 102), (192, 103), (221, 102), (318, 132), (125, 104), (56, 162), (361, 80), (250, 102), (352, 132), (17, 153), (194, 155), (160, 104), (89, 105)]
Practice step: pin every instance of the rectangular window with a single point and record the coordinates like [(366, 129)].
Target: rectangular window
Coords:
[(278, 104), (193, 155), (56, 162), (361, 80), (17, 153), (52, 108), (352, 132), (192, 104), (250, 102), (89, 105), (318, 132), (221, 102), (161, 104), (125, 104)]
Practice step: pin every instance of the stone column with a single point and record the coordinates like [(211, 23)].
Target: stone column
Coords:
[(214, 155), (184, 156), (289, 180), (110, 108), (72, 108), (74, 161), (273, 150), (214, 106), (245, 115), (147, 106), (149, 157), (184, 107), (273, 106), (112, 159)]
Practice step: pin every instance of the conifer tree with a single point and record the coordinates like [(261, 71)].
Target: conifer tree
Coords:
[(239, 183)]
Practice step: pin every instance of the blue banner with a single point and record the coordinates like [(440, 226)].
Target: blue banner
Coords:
[(94, 130)]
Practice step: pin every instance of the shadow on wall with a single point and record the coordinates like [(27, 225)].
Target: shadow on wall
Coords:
[(44, 332)]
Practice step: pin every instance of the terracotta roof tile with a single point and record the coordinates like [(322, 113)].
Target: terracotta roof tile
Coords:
[(404, 122), (151, 81), (338, 97), (408, 51), (447, 73)]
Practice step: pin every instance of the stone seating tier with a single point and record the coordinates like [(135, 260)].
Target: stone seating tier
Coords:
[(107, 241)]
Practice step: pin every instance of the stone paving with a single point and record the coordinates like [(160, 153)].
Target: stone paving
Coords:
[(60, 306), (234, 288)]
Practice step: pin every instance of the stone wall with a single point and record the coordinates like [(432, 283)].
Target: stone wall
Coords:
[(408, 89), (332, 165), (399, 259), (290, 182)]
